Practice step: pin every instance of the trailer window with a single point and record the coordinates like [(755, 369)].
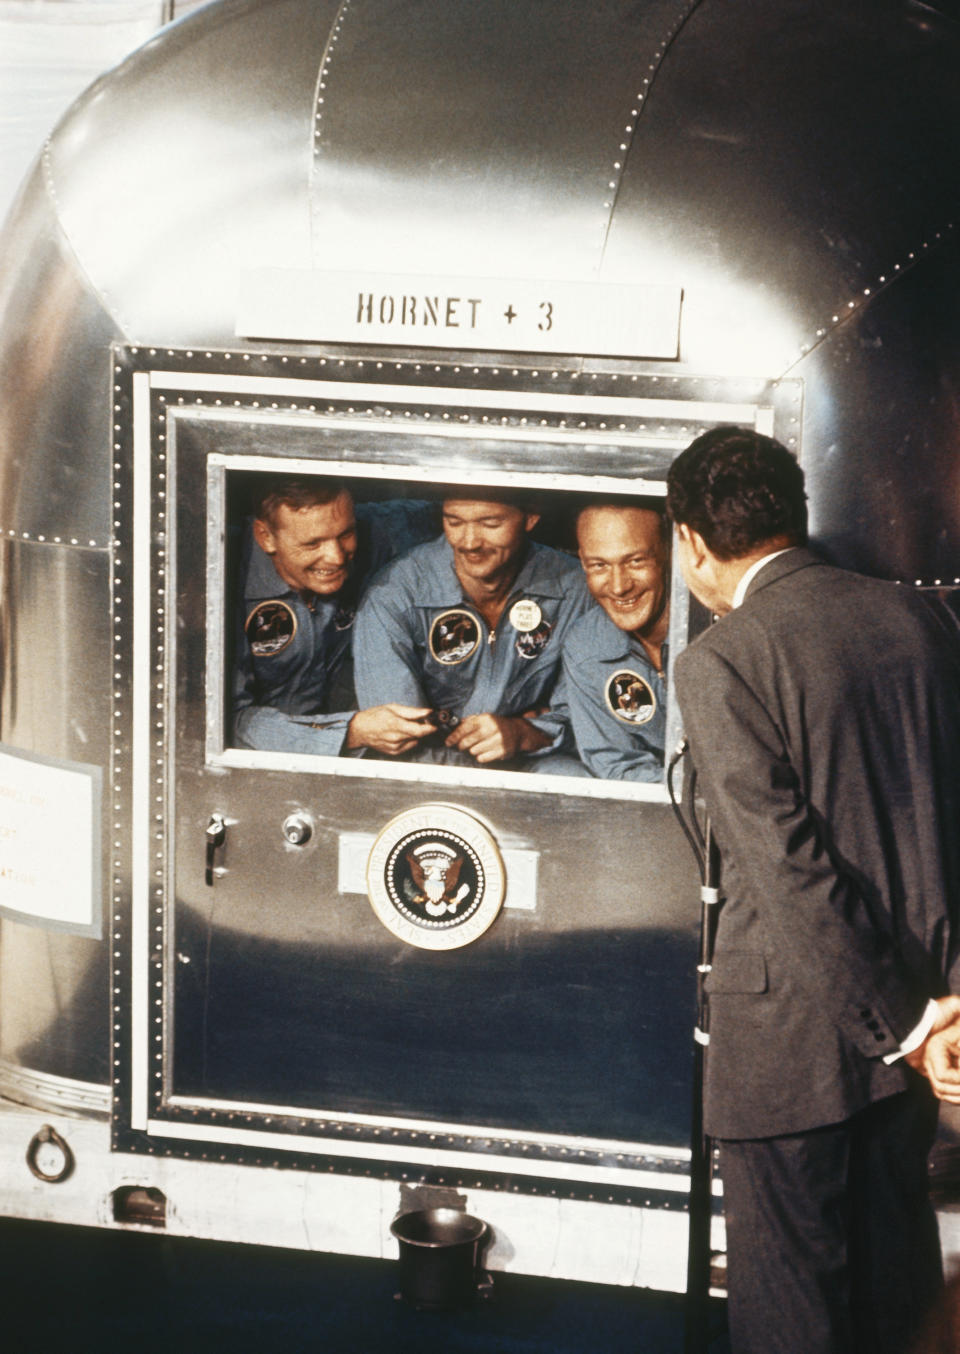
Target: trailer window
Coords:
[(454, 625), (382, 578)]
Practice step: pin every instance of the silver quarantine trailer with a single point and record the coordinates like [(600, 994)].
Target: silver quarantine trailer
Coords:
[(490, 245)]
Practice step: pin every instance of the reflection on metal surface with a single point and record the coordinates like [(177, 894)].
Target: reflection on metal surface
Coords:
[(46, 1092)]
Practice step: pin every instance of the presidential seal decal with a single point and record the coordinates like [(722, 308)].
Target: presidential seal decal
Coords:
[(630, 697), (435, 877), (270, 627), (454, 635)]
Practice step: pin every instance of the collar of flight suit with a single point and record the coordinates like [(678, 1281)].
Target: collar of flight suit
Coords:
[(611, 644)]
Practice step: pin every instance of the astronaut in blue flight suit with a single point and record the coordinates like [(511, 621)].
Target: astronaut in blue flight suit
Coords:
[(472, 625), (615, 656), (307, 558)]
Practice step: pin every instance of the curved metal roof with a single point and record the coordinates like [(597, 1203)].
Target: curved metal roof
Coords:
[(791, 164)]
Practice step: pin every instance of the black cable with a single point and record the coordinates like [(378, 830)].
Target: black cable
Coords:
[(693, 834), (696, 1335)]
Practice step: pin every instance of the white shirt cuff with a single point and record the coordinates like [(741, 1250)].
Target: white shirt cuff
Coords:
[(917, 1035)]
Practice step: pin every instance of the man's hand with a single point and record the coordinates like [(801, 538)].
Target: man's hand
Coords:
[(496, 738), (392, 729), (938, 1057)]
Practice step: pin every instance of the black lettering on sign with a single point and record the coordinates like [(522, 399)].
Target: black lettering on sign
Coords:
[(445, 312)]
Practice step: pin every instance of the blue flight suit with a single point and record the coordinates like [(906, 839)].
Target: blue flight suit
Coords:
[(616, 699), (293, 670), (419, 642)]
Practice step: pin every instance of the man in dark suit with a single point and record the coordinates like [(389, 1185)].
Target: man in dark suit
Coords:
[(823, 715)]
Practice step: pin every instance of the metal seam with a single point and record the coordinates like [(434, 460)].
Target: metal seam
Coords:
[(96, 291), (319, 104), (628, 135), (882, 283)]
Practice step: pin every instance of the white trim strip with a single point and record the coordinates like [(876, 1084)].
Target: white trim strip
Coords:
[(444, 474), (412, 772), (678, 1156), (140, 834), (531, 430), (529, 401), (421, 1156)]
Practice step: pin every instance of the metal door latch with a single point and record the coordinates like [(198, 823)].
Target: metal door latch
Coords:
[(216, 835), (297, 829)]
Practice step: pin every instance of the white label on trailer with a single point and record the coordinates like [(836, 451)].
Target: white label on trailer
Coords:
[(50, 841), (490, 314)]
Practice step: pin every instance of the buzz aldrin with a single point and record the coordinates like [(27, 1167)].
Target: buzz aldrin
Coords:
[(473, 626), (615, 656)]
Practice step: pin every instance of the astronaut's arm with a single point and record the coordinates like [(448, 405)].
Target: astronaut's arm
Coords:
[(609, 750)]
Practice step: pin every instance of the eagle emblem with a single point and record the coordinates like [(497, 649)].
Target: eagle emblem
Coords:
[(434, 873), (435, 877)]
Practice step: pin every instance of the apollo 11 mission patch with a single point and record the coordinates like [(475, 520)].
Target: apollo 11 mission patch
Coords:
[(630, 697), (270, 628)]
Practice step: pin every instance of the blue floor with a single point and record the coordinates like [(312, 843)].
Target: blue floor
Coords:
[(79, 1290)]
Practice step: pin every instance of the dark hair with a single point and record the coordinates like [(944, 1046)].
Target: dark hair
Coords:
[(296, 491), (738, 489), (524, 500)]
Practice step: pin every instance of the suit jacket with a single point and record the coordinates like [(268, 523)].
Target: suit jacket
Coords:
[(824, 720)]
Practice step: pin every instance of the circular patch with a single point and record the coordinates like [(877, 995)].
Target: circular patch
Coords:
[(529, 643), (435, 877), (630, 697), (344, 618), (270, 628), (525, 614), (454, 636)]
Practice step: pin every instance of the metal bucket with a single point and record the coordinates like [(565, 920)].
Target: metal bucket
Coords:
[(439, 1255)]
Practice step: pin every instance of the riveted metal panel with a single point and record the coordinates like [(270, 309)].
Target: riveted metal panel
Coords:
[(266, 1000)]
